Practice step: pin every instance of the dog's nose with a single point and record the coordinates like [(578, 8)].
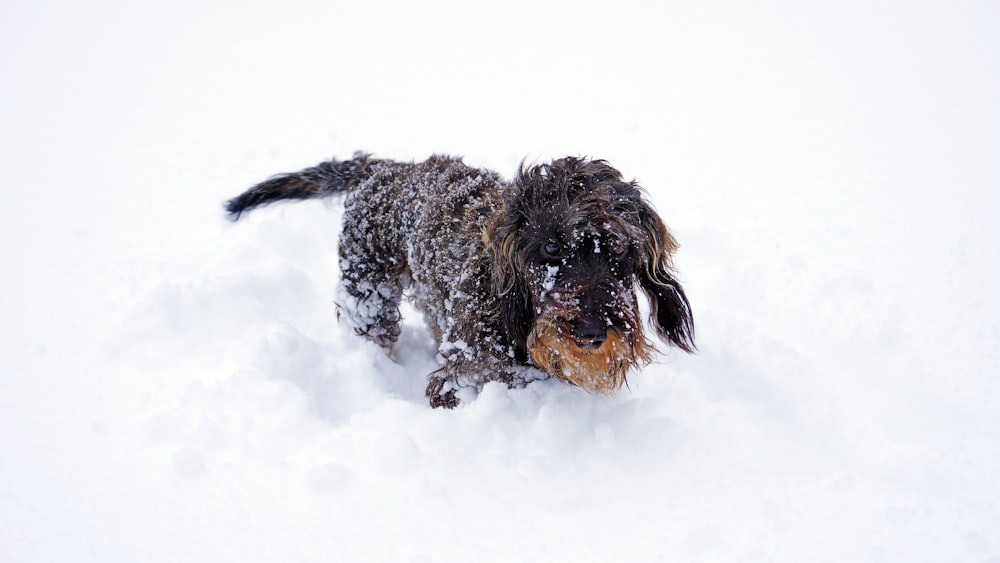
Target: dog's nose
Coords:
[(590, 334)]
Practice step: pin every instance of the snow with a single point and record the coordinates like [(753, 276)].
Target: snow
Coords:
[(177, 388)]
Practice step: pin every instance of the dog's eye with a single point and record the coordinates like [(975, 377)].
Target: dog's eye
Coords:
[(551, 250)]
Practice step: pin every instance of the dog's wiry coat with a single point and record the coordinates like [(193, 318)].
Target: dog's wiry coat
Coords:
[(517, 280)]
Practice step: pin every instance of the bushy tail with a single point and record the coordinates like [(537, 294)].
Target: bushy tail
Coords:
[(326, 178)]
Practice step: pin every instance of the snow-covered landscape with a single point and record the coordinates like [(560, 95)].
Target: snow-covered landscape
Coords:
[(176, 387)]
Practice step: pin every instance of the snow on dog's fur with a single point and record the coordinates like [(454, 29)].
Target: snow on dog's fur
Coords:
[(517, 280)]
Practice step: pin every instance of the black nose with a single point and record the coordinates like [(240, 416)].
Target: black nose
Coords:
[(590, 334)]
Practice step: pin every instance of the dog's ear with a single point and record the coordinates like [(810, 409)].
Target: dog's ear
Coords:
[(670, 311), (508, 286)]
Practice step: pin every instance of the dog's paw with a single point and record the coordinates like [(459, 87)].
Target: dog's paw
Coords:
[(441, 393)]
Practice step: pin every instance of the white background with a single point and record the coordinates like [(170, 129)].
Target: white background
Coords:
[(176, 387)]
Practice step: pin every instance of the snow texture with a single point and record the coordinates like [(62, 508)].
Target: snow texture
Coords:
[(177, 388)]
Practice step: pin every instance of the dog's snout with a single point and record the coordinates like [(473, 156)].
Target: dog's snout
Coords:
[(590, 334)]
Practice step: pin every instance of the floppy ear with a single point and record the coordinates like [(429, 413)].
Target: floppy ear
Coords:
[(671, 312), (516, 316)]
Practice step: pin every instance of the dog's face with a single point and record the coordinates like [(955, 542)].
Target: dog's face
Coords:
[(571, 246)]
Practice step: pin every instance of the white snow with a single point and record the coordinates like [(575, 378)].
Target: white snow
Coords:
[(176, 387), (551, 273)]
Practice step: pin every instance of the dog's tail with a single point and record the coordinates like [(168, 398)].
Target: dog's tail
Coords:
[(326, 178)]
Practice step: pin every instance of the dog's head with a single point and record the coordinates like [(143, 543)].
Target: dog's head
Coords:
[(570, 247)]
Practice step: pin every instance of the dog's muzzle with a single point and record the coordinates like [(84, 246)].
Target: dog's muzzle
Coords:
[(587, 340)]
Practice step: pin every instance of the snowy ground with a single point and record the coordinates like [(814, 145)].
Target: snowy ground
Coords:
[(176, 387)]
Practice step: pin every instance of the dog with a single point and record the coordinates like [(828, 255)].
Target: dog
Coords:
[(518, 280)]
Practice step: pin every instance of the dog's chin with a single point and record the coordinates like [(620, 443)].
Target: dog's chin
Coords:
[(602, 370)]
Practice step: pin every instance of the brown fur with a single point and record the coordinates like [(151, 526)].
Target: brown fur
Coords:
[(602, 371)]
